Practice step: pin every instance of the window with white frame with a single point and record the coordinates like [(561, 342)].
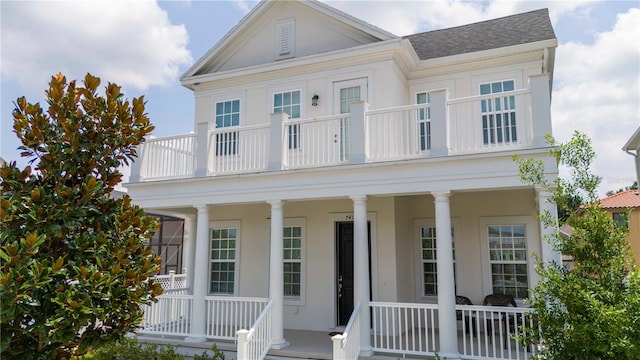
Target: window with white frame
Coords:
[(424, 121), (223, 260), (289, 102), (508, 259), (498, 113), (227, 115), (428, 257), (293, 243)]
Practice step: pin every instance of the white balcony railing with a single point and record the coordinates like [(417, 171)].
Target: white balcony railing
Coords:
[(489, 122), (226, 315), (346, 346), (168, 158), (444, 127), (171, 315), (405, 328), (398, 133), (253, 344), (238, 149), (172, 281), (316, 142)]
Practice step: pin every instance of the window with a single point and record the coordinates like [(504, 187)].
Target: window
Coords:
[(223, 260), (429, 260), (289, 103), (508, 260), (424, 121), (292, 260), (498, 113), (621, 219), (227, 115)]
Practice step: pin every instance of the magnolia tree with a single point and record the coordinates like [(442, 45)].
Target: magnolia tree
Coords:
[(75, 265), (592, 310)]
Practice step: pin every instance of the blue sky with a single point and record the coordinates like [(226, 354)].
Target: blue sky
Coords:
[(145, 46)]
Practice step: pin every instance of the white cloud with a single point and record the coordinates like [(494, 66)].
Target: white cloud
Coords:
[(410, 17), (597, 91), (132, 43), (243, 5)]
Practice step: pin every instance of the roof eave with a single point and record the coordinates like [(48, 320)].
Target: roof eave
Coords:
[(634, 142)]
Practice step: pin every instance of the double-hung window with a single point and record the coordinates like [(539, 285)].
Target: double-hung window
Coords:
[(223, 260), (289, 102), (498, 113), (508, 259), (293, 243), (227, 116), (428, 258), (424, 121)]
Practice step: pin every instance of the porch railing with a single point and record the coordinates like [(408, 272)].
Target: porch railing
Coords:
[(398, 133), (487, 332), (238, 149), (346, 346), (171, 315), (225, 316), (172, 280), (316, 142), (253, 344), (168, 158), (490, 122), (405, 328)]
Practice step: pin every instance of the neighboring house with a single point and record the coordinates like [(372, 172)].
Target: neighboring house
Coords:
[(618, 205), (326, 154)]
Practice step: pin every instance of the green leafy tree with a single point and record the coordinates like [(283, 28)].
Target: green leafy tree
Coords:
[(591, 311), (75, 267)]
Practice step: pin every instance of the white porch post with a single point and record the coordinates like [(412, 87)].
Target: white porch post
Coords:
[(361, 271), (446, 281), (190, 250), (276, 276), (200, 276), (545, 205)]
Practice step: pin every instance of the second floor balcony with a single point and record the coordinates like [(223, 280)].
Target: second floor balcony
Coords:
[(508, 121)]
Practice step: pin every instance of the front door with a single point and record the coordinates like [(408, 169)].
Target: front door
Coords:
[(344, 270)]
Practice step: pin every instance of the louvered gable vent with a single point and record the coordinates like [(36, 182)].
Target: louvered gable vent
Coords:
[(285, 38)]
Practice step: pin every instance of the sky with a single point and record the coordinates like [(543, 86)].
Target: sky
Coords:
[(145, 46)]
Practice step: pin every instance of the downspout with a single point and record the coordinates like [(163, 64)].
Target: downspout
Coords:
[(636, 155)]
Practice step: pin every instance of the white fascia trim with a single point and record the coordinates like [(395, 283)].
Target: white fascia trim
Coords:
[(487, 54), (359, 51), (633, 143), (226, 39), (350, 20)]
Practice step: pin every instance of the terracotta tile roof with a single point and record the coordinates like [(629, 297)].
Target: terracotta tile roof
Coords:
[(511, 30), (621, 200)]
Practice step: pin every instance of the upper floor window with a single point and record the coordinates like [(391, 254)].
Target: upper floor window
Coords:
[(227, 115), (424, 121), (498, 113), (289, 102)]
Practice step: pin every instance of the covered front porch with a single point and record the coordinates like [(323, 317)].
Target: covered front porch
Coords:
[(279, 303)]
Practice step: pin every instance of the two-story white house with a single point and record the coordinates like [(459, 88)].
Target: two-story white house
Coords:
[(331, 161)]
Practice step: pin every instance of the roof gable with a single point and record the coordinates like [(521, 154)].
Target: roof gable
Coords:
[(511, 30), (254, 40)]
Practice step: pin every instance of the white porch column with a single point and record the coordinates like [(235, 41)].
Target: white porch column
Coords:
[(276, 276), (357, 133), (189, 247), (545, 205), (361, 271), (200, 276), (446, 283), (277, 144)]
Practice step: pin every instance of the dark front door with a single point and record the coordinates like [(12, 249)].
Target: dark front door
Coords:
[(344, 271)]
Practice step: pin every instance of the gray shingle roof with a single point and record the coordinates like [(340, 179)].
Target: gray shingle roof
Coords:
[(511, 30)]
